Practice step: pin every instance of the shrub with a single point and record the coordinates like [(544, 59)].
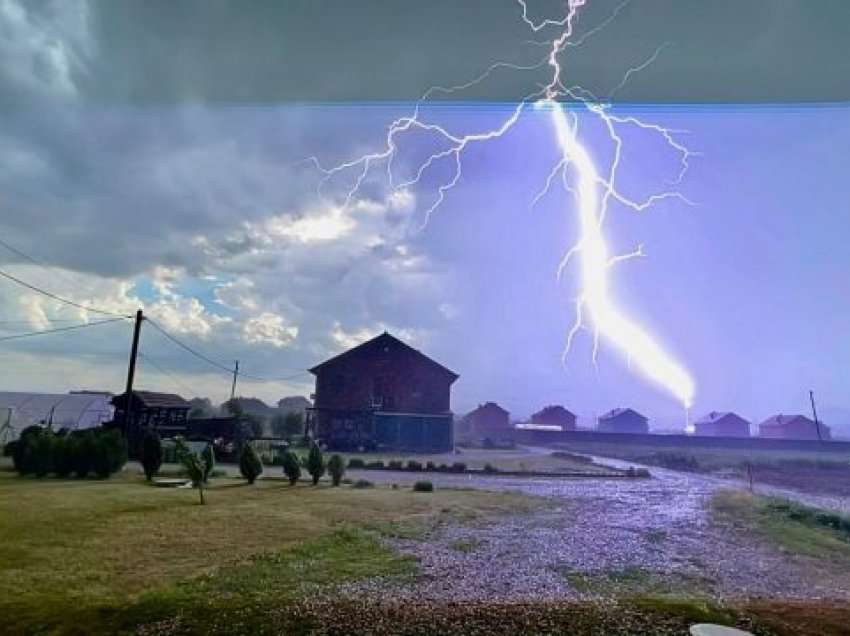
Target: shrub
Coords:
[(41, 452), (250, 465), (356, 462), (291, 467), (489, 468), (442, 468), (395, 464), (22, 454), (108, 452), (423, 486), (194, 465), (315, 463), (362, 483), (336, 468), (208, 455), (151, 453), (375, 464), (82, 451), (430, 466), (63, 455), (414, 465), (458, 467)]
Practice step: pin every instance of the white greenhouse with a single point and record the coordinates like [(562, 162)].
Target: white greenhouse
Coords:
[(69, 411)]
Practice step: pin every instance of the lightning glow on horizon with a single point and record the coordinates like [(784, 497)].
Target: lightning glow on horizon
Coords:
[(579, 176)]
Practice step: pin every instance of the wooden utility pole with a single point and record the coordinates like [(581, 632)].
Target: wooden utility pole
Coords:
[(815, 413), (131, 370), (235, 375)]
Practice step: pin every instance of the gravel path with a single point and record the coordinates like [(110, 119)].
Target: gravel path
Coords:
[(602, 538)]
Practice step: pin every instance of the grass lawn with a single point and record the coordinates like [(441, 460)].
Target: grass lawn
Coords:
[(797, 529), (78, 555)]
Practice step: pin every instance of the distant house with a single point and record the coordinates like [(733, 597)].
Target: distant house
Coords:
[(383, 394), (725, 424), (793, 427), (555, 415), (622, 420), (168, 413), (489, 420)]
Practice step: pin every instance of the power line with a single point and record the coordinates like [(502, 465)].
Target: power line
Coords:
[(215, 364), (173, 377), (60, 298), (60, 329), (186, 347)]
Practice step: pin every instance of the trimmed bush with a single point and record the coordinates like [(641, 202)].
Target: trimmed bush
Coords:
[(291, 467), (63, 455), (375, 464), (430, 466), (250, 465), (22, 454), (82, 451), (414, 465), (443, 468), (362, 483), (208, 456), (489, 468), (109, 452), (423, 486), (458, 467), (395, 464), (336, 468), (41, 453), (356, 462), (315, 463), (151, 453)]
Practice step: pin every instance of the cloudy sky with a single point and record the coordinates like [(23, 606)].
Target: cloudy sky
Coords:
[(154, 155)]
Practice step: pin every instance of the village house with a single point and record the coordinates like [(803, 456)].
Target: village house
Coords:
[(555, 415), (383, 394), (722, 424), (487, 421), (622, 420), (793, 427)]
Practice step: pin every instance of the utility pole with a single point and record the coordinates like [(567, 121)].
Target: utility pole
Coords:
[(815, 413), (131, 370), (235, 375)]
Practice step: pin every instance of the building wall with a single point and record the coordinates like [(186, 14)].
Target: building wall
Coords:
[(796, 428), (399, 382), (623, 423), (488, 420), (727, 426), (555, 417)]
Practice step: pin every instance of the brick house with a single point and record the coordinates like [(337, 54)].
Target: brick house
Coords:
[(383, 394), (622, 420), (722, 424)]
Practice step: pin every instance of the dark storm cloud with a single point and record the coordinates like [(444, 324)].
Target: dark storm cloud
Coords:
[(329, 50)]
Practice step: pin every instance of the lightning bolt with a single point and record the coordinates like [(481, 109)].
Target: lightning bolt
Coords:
[(577, 172)]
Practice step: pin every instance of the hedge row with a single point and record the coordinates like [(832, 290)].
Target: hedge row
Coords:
[(412, 465), (41, 452)]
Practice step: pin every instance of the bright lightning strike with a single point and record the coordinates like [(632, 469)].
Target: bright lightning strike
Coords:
[(592, 190)]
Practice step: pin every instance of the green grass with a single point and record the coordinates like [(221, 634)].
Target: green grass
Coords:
[(797, 529), (632, 582), (82, 556), (465, 545)]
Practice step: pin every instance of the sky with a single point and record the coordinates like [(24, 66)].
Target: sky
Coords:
[(154, 155)]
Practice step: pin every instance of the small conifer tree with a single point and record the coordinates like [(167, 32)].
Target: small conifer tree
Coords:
[(249, 463), (315, 463), (151, 453), (291, 467), (336, 468)]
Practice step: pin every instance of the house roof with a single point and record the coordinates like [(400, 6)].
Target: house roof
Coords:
[(154, 400), (784, 420), (488, 406), (620, 411), (378, 343), (716, 416), (554, 409)]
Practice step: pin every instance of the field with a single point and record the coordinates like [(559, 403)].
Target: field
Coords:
[(808, 471), (121, 556)]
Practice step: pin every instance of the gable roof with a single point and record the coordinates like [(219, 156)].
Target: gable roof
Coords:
[(154, 400), (378, 343), (620, 411), (554, 409), (488, 406), (785, 420), (716, 416)]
